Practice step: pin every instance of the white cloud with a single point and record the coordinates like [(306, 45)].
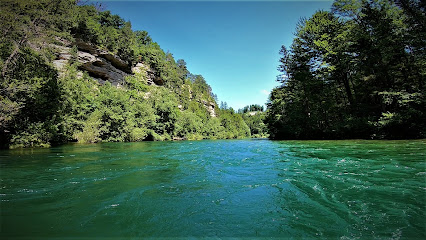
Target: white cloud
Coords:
[(265, 92)]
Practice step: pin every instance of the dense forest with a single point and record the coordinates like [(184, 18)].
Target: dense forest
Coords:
[(53, 92), (357, 71)]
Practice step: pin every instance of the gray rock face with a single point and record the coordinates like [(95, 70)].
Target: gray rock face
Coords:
[(116, 61), (210, 106), (98, 63), (151, 75), (211, 109), (101, 64), (63, 55), (99, 67), (85, 47)]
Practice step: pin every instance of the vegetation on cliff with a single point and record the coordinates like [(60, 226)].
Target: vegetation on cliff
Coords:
[(355, 72), (42, 105)]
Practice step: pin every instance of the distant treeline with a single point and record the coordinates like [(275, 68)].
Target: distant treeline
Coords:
[(357, 71), (251, 108)]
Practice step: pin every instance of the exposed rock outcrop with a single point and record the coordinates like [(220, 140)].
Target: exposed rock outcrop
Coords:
[(62, 57), (116, 61), (210, 106), (151, 76), (85, 47), (98, 63), (99, 67)]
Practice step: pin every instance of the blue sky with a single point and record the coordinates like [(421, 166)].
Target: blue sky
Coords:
[(233, 44)]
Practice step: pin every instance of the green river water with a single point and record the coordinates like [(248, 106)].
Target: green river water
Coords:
[(216, 189)]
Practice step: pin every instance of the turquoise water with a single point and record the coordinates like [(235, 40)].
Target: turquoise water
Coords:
[(220, 189)]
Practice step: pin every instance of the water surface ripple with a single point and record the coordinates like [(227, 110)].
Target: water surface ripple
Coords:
[(227, 188)]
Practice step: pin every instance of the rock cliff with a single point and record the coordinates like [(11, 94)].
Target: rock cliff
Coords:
[(100, 64), (210, 106), (151, 75)]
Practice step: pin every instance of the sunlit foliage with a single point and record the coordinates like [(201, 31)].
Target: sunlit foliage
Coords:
[(355, 72)]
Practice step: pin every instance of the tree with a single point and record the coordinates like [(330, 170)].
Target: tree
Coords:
[(35, 22), (223, 105), (352, 72)]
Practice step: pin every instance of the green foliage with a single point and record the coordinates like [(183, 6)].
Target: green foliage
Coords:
[(255, 122), (35, 135), (30, 100), (39, 107), (136, 82), (188, 125), (91, 129), (356, 72), (138, 134), (233, 124), (165, 108)]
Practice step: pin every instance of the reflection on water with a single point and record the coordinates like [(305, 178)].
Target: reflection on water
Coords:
[(239, 188)]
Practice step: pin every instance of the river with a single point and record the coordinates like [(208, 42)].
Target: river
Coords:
[(221, 189)]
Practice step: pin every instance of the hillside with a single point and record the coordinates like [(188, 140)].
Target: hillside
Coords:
[(73, 72)]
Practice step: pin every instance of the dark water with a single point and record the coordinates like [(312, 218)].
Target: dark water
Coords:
[(219, 189)]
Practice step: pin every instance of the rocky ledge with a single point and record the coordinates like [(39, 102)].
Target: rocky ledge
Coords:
[(210, 106), (100, 64)]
